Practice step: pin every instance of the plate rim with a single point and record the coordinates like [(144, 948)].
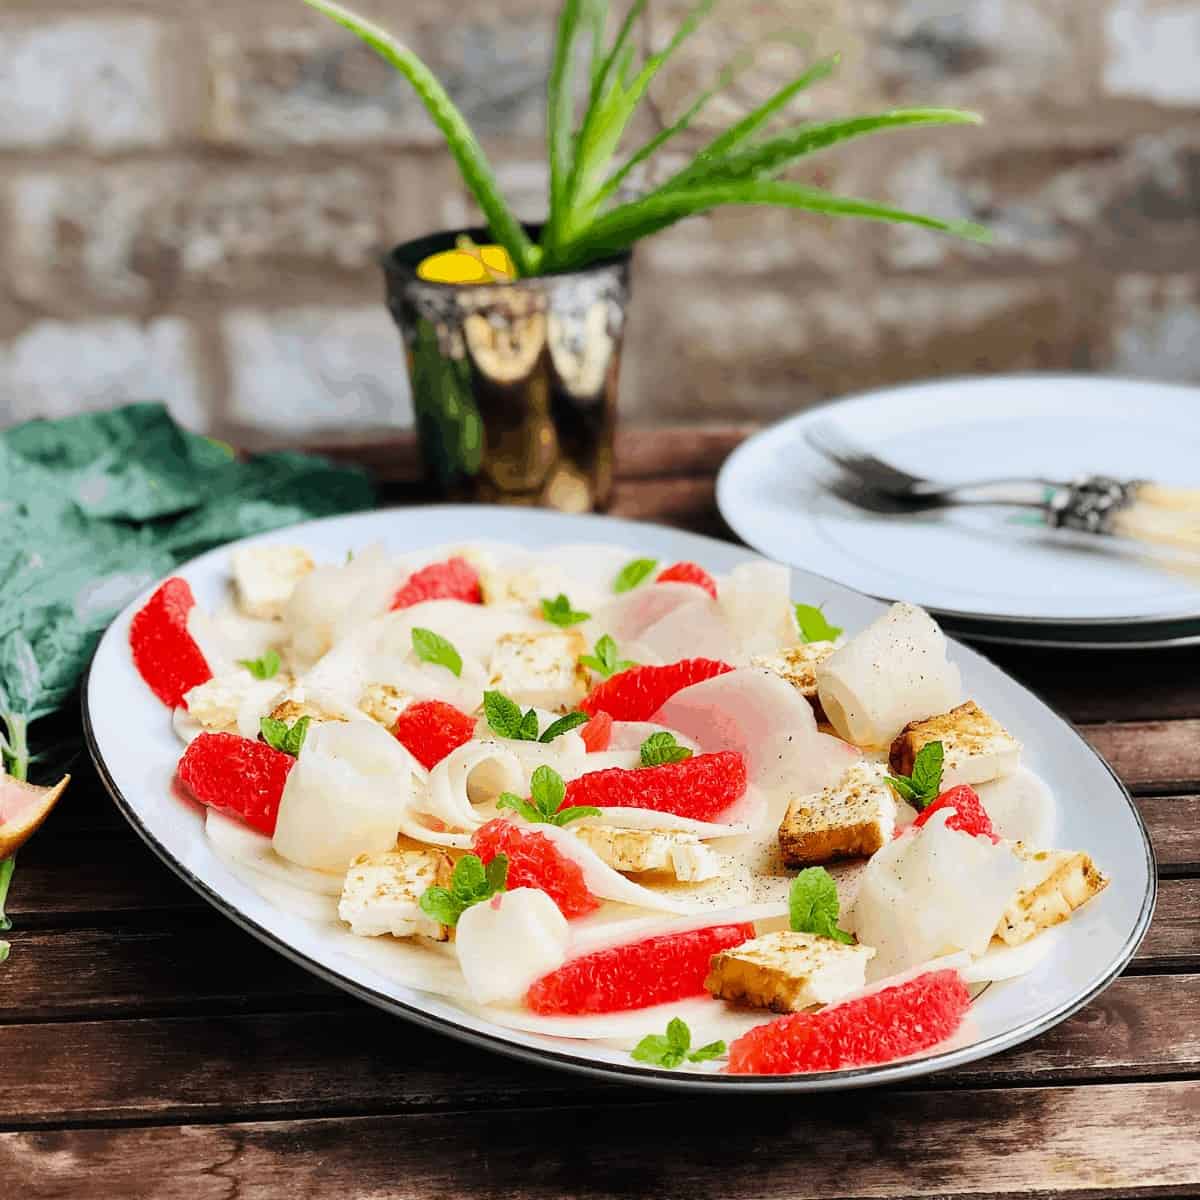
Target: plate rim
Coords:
[(497, 1041), (722, 486)]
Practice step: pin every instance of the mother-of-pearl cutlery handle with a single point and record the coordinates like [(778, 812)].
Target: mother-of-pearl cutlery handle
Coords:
[(1165, 525), (1180, 499)]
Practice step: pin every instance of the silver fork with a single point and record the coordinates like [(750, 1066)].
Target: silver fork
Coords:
[(1089, 503)]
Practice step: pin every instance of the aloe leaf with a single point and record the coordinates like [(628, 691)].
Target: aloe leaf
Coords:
[(468, 154), (560, 109), (660, 139), (617, 230), (739, 134), (607, 118), (776, 154), (620, 48)]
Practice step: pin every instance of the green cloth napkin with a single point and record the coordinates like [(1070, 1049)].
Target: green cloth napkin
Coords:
[(95, 507)]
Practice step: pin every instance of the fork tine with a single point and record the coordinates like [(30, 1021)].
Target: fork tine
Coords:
[(829, 441)]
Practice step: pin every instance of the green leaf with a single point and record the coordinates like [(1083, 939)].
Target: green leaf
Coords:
[(431, 647), (438, 903), (468, 154), (710, 1051), (813, 625), (496, 873), (6, 873), (604, 660), (632, 573), (576, 812), (813, 905), (503, 715), (519, 804), (548, 788), (469, 879), (560, 109), (653, 1048), (266, 667), (924, 785), (679, 1036), (618, 229), (739, 134), (559, 611), (661, 747), (529, 726), (768, 158), (564, 724), (280, 736)]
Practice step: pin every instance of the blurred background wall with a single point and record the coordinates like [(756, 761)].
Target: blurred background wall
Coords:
[(193, 196)]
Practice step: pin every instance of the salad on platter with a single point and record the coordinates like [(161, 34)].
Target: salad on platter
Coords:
[(587, 794)]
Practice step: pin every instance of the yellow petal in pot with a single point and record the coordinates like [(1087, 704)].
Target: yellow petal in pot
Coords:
[(468, 264)]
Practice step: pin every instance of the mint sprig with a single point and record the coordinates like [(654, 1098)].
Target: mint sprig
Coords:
[(279, 735), (674, 1047), (632, 573), (924, 785), (548, 791), (558, 611), (431, 647), (661, 747), (604, 659), (813, 626), (471, 883), (564, 724), (266, 667), (813, 905)]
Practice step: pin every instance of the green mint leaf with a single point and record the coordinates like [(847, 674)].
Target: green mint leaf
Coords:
[(922, 787), (280, 736), (705, 1053), (632, 573), (469, 880), (294, 739), (813, 905), (566, 815), (529, 726), (927, 770), (266, 667), (497, 875), (5, 947), (679, 1036), (438, 903), (431, 647), (813, 626), (673, 1058), (653, 1048), (564, 724), (604, 660), (559, 611), (519, 805), (548, 789), (661, 748), (6, 873), (503, 715)]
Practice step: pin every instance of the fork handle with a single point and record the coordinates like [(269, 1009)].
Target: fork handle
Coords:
[(1176, 498)]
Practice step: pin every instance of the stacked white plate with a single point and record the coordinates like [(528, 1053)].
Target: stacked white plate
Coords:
[(991, 574)]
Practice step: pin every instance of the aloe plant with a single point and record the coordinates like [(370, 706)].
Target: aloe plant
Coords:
[(586, 218)]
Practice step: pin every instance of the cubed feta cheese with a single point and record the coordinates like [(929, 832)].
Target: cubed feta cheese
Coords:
[(976, 747), (853, 817), (540, 669), (634, 851), (382, 893)]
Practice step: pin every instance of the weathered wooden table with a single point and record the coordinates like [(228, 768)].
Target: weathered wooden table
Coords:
[(150, 1048)]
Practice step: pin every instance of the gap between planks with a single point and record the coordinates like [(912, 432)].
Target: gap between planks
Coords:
[(1057, 1141)]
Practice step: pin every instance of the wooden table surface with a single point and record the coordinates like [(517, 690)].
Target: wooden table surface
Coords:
[(149, 1048)]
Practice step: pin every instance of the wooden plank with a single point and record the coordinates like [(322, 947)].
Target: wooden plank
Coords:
[(1174, 824), (1116, 1140), (1159, 755), (365, 1061), (189, 962)]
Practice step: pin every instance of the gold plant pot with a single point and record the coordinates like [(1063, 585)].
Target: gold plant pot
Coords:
[(514, 384)]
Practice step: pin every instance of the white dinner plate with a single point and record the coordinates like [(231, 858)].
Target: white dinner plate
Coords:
[(135, 751), (982, 563)]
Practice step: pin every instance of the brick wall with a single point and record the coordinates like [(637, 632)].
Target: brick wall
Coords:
[(192, 198)]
